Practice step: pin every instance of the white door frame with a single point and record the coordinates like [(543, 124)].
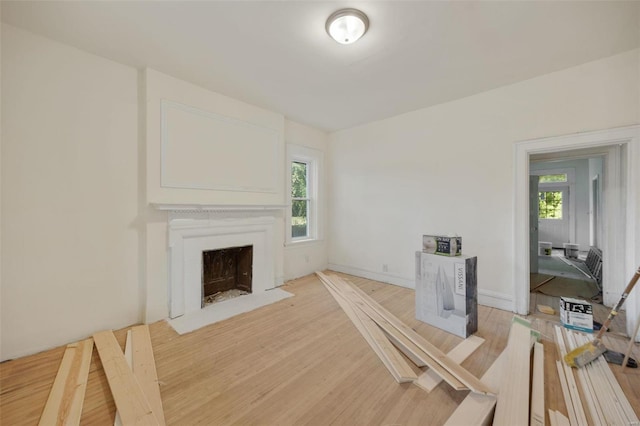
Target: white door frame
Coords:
[(621, 255)]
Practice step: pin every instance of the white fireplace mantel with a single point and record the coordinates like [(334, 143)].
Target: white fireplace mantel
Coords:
[(194, 229)]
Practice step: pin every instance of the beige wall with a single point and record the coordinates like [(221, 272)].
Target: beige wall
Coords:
[(69, 194), (450, 169)]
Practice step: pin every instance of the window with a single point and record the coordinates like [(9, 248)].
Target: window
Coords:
[(561, 177), (304, 166), (550, 204), (299, 200)]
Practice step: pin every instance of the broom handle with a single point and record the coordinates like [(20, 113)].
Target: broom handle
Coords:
[(614, 311)]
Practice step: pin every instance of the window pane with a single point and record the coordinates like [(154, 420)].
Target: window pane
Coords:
[(553, 178), (298, 180), (550, 205), (299, 218)]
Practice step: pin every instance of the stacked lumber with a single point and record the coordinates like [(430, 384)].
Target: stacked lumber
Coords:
[(603, 402), (131, 376), (513, 399), (393, 340), (510, 376)]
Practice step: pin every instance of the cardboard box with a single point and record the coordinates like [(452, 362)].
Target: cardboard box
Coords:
[(447, 292), (442, 245), (576, 314)]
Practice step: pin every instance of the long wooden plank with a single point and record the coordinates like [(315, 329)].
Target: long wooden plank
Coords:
[(144, 369), (576, 401), (468, 379), (477, 409), (128, 356), (428, 380), (537, 417), (418, 356), (408, 347), (607, 396), (399, 373), (64, 405), (512, 407), (131, 402), (618, 393), (593, 407), (565, 393), (556, 418)]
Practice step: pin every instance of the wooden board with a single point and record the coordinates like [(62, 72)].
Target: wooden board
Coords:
[(588, 392), (131, 402), (144, 369), (607, 393), (512, 407), (398, 368), (537, 415), (566, 394), (468, 379), (576, 401), (477, 409), (407, 346), (64, 406), (128, 355), (428, 380), (556, 418)]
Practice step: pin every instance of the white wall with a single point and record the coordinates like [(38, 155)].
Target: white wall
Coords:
[(580, 195), (69, 194), (450, 169), (306, 257)]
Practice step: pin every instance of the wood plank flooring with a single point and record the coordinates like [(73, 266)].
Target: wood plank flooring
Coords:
[(299, 361)]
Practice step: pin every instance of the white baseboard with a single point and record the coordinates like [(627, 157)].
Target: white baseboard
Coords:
[(496, 300), (377, 276)]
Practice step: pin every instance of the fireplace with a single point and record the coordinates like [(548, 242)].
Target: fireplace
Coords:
[(193, 234), (226, 273)]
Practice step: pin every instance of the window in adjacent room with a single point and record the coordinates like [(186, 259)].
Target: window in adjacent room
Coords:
[(550, 204)]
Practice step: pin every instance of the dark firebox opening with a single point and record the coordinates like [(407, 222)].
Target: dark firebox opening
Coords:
[(227, 270)]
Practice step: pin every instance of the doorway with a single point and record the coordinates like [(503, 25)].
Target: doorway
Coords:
[(619, 206)]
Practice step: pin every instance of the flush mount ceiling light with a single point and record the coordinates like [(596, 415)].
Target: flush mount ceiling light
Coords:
[(347, 25)]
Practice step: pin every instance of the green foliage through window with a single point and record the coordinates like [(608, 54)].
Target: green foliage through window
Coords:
[(299, 200), (553, 178), (550, 205)]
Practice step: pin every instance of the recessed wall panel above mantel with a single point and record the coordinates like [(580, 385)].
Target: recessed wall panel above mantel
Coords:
[(206, 148), (203, 150)]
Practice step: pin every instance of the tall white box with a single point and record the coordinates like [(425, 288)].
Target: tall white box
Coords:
[(447, 292)]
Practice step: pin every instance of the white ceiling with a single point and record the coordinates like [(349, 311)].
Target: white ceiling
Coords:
[(277, 55)]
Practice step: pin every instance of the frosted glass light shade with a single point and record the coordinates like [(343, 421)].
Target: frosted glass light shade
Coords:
[(347, 25)]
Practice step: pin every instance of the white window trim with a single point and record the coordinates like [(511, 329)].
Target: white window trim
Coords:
[(314, 159)]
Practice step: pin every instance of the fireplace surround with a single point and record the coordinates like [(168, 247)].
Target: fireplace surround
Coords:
[(193, 232)]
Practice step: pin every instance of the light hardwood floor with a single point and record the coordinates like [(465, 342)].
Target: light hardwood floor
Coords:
[(299, 361)]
